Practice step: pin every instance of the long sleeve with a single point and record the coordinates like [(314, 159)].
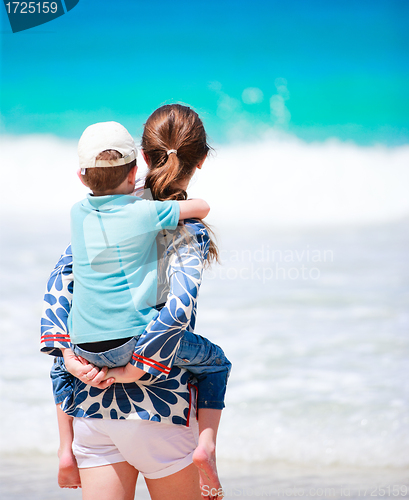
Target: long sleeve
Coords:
[(57, 304), (157, 346)]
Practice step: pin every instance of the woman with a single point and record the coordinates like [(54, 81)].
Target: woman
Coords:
[(148, 407)]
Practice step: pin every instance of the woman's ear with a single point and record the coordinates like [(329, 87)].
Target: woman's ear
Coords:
[(145, 157), (200, 164)]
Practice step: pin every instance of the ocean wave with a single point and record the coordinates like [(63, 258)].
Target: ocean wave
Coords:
[(277, 180), (319, 364), (281, 180)]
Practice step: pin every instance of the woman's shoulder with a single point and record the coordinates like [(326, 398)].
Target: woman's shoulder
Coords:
[(199, 234), (196, 227), (190, 237)]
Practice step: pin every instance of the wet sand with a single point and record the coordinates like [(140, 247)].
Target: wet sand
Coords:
[(35, 478)]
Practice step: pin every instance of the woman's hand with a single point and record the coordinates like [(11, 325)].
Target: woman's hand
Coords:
[(86, 372), (125, 374)]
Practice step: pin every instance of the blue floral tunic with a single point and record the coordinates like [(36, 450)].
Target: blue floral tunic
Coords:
[(164, 394)]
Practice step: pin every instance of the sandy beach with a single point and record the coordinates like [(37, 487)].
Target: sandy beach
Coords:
[(35, 478)]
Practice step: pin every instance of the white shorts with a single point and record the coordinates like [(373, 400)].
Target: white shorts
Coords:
[(155, 449)]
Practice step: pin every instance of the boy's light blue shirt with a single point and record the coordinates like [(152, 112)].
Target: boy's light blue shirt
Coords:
[(115, 265)]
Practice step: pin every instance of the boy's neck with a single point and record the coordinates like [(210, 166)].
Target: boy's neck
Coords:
[(124, 188), (111, 192)]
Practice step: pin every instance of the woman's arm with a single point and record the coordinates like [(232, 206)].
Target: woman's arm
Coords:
[(156, 348), (55, 339), (57, 305)]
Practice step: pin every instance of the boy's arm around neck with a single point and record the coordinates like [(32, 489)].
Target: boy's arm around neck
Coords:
[(193, 209)]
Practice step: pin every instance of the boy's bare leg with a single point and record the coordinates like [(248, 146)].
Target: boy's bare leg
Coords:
[(68, 473), (204, 457)]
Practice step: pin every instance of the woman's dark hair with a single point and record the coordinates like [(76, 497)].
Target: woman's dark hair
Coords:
[(178, 128)]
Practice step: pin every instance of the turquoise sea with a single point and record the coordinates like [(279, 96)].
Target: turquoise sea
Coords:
[(317, 69), (307, 109)]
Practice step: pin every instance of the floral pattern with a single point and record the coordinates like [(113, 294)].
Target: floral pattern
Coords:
[(57, 304), (183, 264), (164, 394)]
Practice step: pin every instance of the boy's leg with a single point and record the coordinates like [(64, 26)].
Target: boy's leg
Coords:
[(204, 456), (211, 367), (68, 473)]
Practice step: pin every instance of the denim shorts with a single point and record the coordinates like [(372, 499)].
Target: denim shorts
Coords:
[(62, 380), (210, 367), (119, 356)]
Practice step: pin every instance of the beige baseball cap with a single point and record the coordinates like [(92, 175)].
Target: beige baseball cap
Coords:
[(102, 136)]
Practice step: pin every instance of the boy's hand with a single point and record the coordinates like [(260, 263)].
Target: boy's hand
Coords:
[(125, 374), (86, 372)]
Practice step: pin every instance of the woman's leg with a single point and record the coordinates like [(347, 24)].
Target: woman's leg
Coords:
[(184, 485), (109, 482)]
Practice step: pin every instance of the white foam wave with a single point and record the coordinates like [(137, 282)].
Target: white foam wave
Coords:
[(282, 180), (38, 175), (320, 432), (319, 366), (279, 180)]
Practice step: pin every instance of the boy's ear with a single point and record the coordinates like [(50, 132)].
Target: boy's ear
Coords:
[(80, 177), (132, 174)]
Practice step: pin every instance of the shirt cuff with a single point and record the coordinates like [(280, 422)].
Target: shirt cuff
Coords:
[(149, 365)]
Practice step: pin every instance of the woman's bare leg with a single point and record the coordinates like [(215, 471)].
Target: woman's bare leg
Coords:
[(68, 473), (183, 485), (204, 457), (109, 482)]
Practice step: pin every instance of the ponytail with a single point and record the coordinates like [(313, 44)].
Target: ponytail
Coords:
[(174, 141), (161, 180)]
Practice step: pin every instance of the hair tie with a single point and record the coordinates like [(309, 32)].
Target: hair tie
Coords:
[(169, 151)]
